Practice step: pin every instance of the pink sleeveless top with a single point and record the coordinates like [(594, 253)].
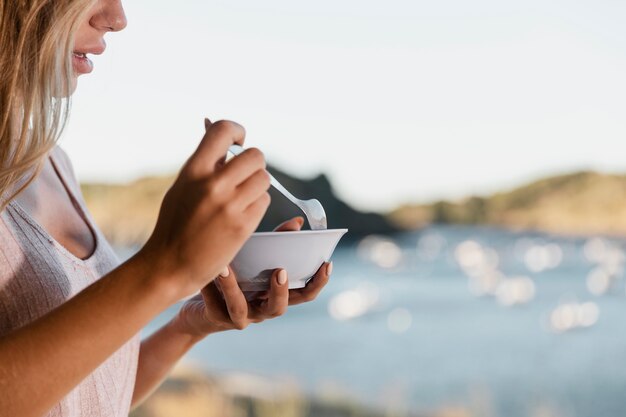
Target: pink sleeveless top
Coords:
[(37, 274)]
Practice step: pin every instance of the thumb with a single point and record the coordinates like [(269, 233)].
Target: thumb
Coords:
[(211, 151)]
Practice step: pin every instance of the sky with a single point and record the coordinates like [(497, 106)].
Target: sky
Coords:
[(397, 101)]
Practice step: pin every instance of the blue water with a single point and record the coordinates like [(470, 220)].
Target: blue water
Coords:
[(460, 351)]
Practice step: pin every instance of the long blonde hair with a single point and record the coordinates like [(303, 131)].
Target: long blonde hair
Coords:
[(36, 42)]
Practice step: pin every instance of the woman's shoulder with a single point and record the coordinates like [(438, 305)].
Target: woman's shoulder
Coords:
[(62, 160), (62, 163)]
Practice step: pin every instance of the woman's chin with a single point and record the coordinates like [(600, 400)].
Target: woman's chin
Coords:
[(66, 93), (73, 85)]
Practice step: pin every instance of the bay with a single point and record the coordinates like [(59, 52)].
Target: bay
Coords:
[(418, 322)]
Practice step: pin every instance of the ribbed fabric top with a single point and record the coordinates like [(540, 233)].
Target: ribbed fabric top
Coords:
[(38, 274)]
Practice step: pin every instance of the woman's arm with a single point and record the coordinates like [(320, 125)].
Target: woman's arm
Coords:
[(204, 315), (157, 356), (206, 216), (51, 355), (220, 306)]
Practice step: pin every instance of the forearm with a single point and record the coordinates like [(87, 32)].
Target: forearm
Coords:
[(157, 356), (51, 355)]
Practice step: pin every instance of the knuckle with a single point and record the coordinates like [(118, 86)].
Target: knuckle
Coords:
[(237, 312), (233, 221), (257, 156), (223, 209), (212, 186), (266, 178), (230, 211), (228, 127), (240, 231), (263, 178), (221, 126), (265, 199)]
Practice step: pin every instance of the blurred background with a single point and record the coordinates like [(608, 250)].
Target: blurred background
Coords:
[(473, 149)]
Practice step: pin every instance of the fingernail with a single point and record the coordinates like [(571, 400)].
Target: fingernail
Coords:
[(207, 123), (282, 277), (300, 221), (329, 269), (225, 272)]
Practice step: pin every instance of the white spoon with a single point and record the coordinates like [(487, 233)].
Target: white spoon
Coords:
[(312, 209)]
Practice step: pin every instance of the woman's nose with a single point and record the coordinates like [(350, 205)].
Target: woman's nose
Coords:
[(109, 16)]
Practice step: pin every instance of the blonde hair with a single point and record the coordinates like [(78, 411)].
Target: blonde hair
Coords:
[(36, 42)]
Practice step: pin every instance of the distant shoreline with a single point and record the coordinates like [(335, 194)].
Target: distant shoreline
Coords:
[(578, 204)]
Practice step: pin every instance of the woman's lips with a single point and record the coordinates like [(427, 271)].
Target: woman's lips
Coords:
[(81, 64)]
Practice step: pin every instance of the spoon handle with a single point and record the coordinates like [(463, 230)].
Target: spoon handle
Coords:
[(236, 150), (284, 191)]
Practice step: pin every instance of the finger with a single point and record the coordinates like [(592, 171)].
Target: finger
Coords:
[(213, 147), (241, 167), (313, 287), (252, 189), (258, 208), (290, 225), (224, 273), (215, 302), (278, 300), (235, 300), (207, 125)]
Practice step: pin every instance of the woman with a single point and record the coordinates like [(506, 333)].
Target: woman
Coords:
[(69, 314)]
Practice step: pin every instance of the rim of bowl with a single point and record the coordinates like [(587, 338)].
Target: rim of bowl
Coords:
[(300, 232)]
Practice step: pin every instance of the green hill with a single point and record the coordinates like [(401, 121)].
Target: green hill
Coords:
[(578, 203)]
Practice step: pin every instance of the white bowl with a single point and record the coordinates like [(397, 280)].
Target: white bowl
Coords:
[(300, 253)]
